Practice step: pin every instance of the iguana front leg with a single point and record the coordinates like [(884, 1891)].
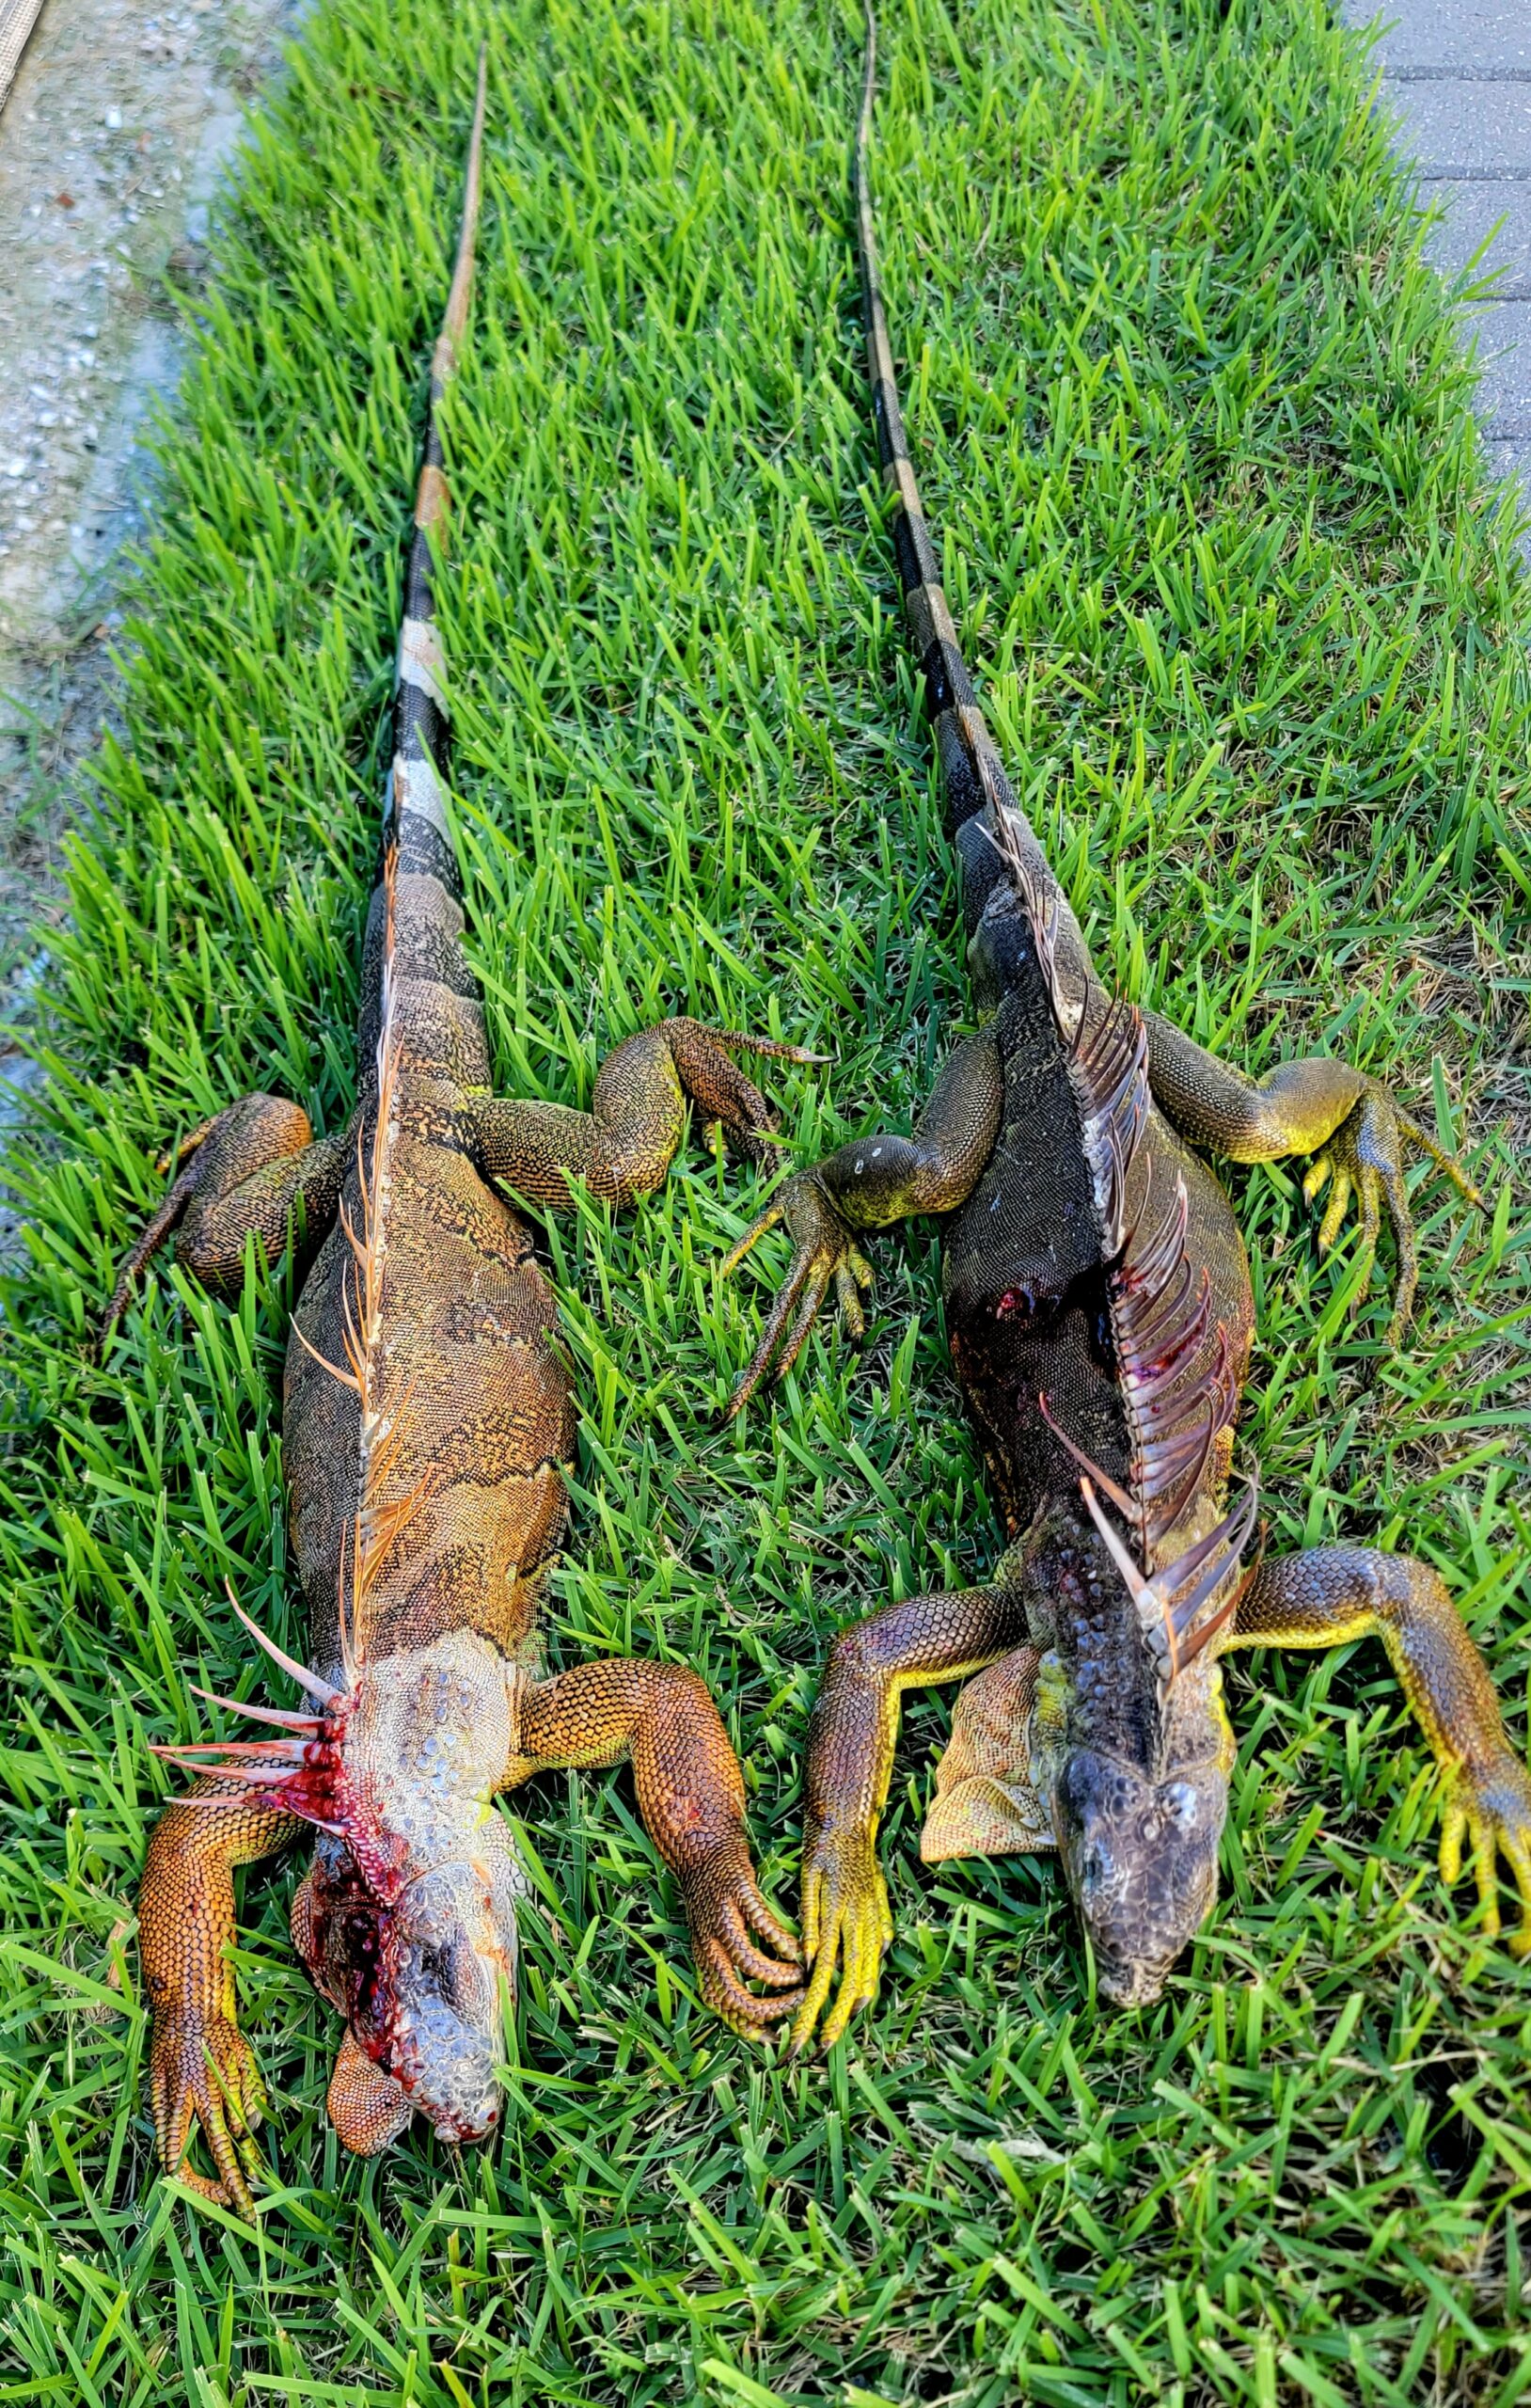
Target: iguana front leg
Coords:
[(846, 1914), (870, 1185), (624, 1144), (251, 1171), (1352, 1126), (690, 1792), (1334, 1593), (201, 2068)]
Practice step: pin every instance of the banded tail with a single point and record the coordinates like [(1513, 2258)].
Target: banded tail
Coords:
[(415, 816), (1178, 1392), (970, 764)]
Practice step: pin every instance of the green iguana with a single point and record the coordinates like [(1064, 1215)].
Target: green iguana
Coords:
[(427, 1419), (1100, 1317)]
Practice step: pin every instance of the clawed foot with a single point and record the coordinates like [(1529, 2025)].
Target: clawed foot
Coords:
[(825, 1250), (846, 1920), (1493, 1813), (203, 2071), (1364, 1158), (723, 1905), (721, 1088)]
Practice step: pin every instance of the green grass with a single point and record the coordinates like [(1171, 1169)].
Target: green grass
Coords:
[(1191, 414)]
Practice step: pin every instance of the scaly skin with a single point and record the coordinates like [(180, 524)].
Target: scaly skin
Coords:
[(1100, 1317), (427, 1421)]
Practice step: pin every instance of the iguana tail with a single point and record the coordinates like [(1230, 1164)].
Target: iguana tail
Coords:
[(1001, 846), (969, 760), (414, 817)]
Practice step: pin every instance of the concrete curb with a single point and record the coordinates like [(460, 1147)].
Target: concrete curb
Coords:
[(17, 18)]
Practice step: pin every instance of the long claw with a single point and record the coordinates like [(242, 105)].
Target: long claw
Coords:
[(1317, 1177), (771, 1046), (824, 1250), (847, 1296), (767, 1926), (1334, 1219), (758, 1228), (1401, 1221), (796, 1337), (1485, 1867), (760, 1362), (750, 1960), (1443, 1161), (846, 1922)]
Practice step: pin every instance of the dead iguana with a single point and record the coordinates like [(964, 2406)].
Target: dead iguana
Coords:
[(427, 1419), (1100, 1315)]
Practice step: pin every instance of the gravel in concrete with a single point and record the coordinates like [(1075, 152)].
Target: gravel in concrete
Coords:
[(1471, 38)]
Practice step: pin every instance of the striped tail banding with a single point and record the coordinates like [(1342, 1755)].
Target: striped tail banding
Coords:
[(1176, 1380), (415, 816), (971, 765)]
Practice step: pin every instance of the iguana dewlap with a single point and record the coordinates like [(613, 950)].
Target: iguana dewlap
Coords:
[(1099, 1313), (427, 1420)]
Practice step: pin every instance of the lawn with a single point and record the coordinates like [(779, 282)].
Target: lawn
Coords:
[(1190, 412)]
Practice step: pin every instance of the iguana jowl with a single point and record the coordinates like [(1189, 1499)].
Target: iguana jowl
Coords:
[(427, 1417), (1101, 1316)]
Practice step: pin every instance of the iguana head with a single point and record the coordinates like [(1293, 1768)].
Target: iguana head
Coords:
[(407, 1922), (1138, 1827), (1141, 1857)]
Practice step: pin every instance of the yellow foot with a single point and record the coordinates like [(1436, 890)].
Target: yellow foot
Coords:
[(1365, 1159), (1491, 1812), (845, 1917)]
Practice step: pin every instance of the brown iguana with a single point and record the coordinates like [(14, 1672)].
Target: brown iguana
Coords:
[(1100, 1317), (427, 1417)]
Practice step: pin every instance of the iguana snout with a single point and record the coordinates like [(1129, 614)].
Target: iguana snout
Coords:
[(1140, 1857), (421, 1982)]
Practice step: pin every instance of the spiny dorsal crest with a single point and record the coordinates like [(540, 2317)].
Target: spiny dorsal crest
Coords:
[(380, 1518), (1177, 1390)]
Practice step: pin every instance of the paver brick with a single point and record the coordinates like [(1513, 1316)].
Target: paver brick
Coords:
[(1513, 462), (1504, 358), (1471, 212), (1476, 37), (1462, 128)]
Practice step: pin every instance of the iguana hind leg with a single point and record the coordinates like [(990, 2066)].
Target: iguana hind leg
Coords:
[(845, 1915), (690, 1792), (201, 2068), (624, 1144), (252, 1170), (1340, 1592), (984, 1803), (1348, 1122)]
